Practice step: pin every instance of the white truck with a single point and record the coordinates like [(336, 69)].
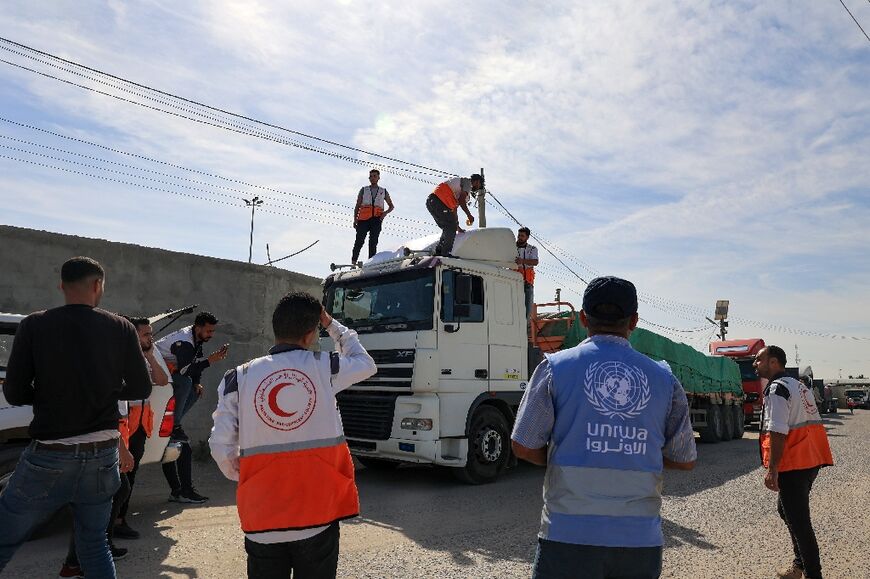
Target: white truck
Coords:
[(449, 336), (14, 420)]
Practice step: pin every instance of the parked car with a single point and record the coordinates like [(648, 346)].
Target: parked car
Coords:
[(15, 420)]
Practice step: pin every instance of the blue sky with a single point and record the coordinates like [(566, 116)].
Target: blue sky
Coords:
[(705, 150)]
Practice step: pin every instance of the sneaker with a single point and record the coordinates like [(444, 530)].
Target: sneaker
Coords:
[(191, 497), (792, 572), (123, 531), (71, 571), (118, 553)]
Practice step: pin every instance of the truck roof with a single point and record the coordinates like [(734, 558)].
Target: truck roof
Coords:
[(737, 348), (492, 249)]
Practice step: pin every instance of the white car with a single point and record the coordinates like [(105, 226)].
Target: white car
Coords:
[(14, 420)]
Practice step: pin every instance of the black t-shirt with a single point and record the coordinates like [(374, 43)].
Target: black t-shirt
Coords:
[(73, 364)]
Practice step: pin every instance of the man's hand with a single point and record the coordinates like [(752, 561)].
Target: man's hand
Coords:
[(219, 354), (470, 219), (325, 318), (199, 389), (771, 480), (355, 223), (125, 459)]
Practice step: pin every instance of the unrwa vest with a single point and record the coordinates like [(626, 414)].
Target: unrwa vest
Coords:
[(604, 471), (296, 471), (372, 205)]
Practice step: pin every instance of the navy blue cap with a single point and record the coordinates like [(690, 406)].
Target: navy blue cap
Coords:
[(610, 290)]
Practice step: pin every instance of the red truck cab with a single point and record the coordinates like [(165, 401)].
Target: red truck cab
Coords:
[(743, 352)]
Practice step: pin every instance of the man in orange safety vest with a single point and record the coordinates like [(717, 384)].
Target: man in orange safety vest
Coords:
[(369, 213), (278, 432)]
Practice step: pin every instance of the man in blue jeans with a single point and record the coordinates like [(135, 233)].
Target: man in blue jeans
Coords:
[(72, 364), (182, 351), (604, 419)]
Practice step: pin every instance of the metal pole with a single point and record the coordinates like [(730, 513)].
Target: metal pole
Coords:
[(253, 203), (481, 205)]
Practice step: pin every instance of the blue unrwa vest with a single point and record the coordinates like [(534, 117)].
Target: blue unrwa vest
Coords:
[(604, 471)]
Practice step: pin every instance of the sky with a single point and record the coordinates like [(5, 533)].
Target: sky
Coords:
[(703, 149)]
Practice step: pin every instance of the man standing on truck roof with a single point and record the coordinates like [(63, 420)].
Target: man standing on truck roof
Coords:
[(182, 350), (794, 446), (140, 421), (73, 364), (442, 204), (369, 213), (278, 432), (527, 259), (604, 419)]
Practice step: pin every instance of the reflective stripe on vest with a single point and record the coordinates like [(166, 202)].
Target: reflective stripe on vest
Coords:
[(295, 468), (604, 471), (375, 206), (323, 491), (447, 196), (806, 446)]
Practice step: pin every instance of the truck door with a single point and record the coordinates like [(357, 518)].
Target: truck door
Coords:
[(463, 338), (507, 335)]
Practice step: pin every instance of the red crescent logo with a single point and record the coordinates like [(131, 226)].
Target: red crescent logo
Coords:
[(273, 400)]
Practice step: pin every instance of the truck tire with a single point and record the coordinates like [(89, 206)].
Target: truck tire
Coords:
[(739, 424), (373, 463), (727, 423), (488, 447), (713, 431)]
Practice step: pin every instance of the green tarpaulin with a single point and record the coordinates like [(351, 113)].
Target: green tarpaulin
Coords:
[(697, 372)]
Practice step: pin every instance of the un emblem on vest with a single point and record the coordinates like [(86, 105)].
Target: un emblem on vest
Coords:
[(616, 389), (285, 399)]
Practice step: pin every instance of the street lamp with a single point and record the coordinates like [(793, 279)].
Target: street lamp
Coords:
[(253, 204)]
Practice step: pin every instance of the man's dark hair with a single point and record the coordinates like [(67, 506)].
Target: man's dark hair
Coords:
[(478, 177), (375, 171), (602, 326), (525, 230), (295, 315), (138, 322), (81, 268), (203, 318), (777, 353)]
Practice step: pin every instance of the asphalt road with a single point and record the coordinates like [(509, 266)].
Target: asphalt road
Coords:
[(719, 521)]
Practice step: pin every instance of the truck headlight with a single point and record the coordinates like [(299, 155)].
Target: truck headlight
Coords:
[(416, 424)]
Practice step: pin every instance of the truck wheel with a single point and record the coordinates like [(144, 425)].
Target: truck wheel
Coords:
[(727, 423), (739, 424), (373, 463), (713, 431), (488, 447)]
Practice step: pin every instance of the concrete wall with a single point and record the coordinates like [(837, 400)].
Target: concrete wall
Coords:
[(147, 281)]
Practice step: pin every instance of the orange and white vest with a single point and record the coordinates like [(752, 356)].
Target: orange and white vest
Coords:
[(372, 204), (450, 192), (790, 409), (164, 345), (295, 468)]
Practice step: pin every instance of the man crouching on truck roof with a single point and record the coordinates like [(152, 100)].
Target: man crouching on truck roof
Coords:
[(278, 432), (604, 419)]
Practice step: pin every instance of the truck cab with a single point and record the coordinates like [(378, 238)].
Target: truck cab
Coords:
[(449, 336), (743, 352)]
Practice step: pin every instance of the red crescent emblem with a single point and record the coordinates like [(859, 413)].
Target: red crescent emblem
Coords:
[(273, 400)]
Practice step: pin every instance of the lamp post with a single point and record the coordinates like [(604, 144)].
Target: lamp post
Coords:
[(253, 204)]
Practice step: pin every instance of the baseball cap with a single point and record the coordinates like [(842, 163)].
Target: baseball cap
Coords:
[(610, 290)]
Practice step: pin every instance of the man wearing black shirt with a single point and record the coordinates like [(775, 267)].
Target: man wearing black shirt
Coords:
[(182, 351), (73, 364)]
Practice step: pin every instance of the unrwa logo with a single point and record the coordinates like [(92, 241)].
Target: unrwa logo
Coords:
[(617, 389)]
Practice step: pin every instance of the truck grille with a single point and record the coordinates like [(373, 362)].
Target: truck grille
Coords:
[(395, 369), (368, 416)]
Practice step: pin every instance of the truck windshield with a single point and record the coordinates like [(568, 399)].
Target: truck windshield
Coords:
[(747, 372), (394, 302)]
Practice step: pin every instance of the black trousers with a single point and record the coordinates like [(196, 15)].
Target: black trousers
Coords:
[(372, 227), (137, 449), (447, 220), (555, 560), (179, 473), (793, 506), (314, 558)]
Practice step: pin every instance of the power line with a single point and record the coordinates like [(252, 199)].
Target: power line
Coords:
[(266, 135), (858, 24)]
